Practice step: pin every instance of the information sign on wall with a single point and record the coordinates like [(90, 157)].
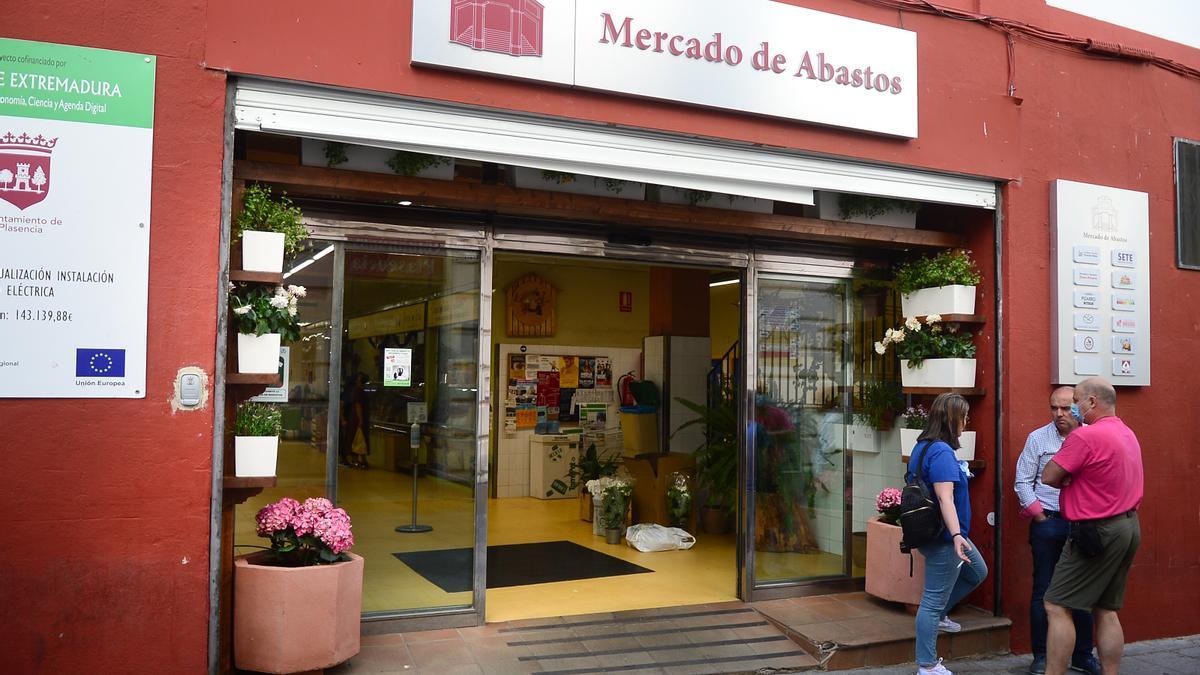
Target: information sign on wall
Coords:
[(754, 56), (397, 367), (76, 132), (1102, 284)]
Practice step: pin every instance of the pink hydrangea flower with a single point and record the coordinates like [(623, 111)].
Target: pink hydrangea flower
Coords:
[(276, 517), (887, 500)]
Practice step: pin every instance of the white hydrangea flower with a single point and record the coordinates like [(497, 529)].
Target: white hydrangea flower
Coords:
[(298, 291), (244, 309), (933, 318), (880, 348), (912, 323), (279, 301)]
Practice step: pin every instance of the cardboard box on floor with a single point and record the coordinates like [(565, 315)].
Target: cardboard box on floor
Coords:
[(650, 472)]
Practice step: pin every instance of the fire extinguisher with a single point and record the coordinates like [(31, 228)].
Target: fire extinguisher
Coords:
[(626, 391)]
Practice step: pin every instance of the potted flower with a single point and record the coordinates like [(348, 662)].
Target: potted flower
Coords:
[(867, 209), (596, 488), (268, 228), (264, 318), (915, 418), (716, 460), (875, 409), (679, 500), (255, 439), (614, 504), (297, 604), (940, 284), (887, 574), (582, 471), (932, 354)]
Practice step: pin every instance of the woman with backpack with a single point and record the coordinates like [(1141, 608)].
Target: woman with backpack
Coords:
[(953, 566)]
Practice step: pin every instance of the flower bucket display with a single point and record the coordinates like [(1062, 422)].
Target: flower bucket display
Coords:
[(955, 299), (262, 251), (942, 373), (297, 606), (258, 353), (255, 456), (887, 576)]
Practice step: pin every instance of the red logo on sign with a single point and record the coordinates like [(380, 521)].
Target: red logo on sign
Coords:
[(25, 169), (625, 300), (504, 26)]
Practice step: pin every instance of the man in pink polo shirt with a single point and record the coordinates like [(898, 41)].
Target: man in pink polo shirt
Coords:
[(1099, 469)]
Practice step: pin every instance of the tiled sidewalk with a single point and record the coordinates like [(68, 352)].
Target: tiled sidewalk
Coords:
[(723, 638)]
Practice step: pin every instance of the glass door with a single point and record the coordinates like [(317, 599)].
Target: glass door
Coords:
[(797, 432)]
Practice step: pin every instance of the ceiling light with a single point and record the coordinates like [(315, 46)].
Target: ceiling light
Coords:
[(723, 283)]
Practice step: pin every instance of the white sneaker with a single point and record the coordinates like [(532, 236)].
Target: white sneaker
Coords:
[(937, 669), (947, 625)]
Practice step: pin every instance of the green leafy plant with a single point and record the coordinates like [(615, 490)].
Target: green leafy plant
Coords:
[(335, 153), (934, 340), (697, 197), (615, 503), (614, 185), (558, 177), (262, 213), (257, 419), (716, 457), (878, 402), (405, 163), (679, 498), (948, 268), (867, 206), (587, 467), (259, 311)]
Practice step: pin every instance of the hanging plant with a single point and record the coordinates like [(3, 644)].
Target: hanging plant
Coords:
[(614, 185), (335, 153), (697, 197), (558, 177), (866, 206), (409, 164)]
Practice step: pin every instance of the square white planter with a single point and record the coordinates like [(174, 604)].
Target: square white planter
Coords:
[(255, 456), (718, 200), (940, 300), (944, 373), (258, 353), (908, 441), (367, 158), (530, 178), (262, 251), (829, 208), (862, 438)]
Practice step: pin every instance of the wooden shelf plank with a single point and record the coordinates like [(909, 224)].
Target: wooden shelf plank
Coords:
[(257, 277), (934, 391), (972, 463), (265, 379), (245, 482), (959, 318), (344, 184)]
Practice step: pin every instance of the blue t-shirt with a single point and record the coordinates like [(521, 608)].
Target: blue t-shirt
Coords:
[(939, 465)]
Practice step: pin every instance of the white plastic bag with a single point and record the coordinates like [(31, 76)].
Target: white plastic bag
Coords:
[(653, 537)]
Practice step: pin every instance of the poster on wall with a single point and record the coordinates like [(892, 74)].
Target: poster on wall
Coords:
[(76, 135), (587, 372), (568, 372), (397, 367), (278, 394), (516, 368), (1101, 308), (603, 372)]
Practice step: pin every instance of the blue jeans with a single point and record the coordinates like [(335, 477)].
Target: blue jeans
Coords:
[(946, 584), (1047, 539)]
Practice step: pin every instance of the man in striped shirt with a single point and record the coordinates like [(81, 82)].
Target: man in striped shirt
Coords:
[(1048, 531)]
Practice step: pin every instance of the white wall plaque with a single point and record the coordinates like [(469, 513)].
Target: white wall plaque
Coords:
[(754, 56), (1107, 230), (76, 135)]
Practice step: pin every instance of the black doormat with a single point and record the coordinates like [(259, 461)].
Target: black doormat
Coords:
[(517, 565)]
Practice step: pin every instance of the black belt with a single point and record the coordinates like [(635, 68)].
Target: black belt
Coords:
[(1099, 521), (1051, 514)]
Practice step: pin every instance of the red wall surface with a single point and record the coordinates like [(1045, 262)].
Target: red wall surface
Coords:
[(1073, 116), (106, 502)]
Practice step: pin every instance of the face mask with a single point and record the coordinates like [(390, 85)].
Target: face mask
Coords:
[(1076, 414)]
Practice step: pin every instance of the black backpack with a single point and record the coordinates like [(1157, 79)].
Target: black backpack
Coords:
[(920, 516)]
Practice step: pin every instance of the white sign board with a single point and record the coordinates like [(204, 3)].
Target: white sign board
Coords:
[(1101, 309), (76, 131), (755, 56), (278, 394), (397, 367)]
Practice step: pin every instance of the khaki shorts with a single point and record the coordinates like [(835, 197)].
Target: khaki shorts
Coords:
[(1087, 583)]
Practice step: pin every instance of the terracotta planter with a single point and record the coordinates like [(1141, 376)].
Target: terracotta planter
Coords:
[(887, 568), (295, 619)]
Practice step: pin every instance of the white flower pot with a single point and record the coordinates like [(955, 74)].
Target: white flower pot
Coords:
[(966, 443), (940, 300), (254, 456), (258, 353), (829, 207), (597, 526), (943, 373), (262, 251)]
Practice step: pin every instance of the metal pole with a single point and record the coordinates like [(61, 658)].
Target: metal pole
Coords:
[(414, 443)]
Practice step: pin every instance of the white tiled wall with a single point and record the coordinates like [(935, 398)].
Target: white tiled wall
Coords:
[(874, 471)]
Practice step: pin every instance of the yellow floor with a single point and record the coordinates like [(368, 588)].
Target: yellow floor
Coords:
[(379, 500)]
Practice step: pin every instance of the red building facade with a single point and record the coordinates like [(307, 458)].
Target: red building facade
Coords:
[(109, 500)]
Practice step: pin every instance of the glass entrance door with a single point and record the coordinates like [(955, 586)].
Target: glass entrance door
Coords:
[(797, 432)]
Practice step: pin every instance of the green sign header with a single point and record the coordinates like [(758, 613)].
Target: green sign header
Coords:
[(76, 84)]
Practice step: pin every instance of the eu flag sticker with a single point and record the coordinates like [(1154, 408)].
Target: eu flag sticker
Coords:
[(99, 363)]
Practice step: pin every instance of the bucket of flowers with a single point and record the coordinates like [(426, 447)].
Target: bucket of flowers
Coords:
[(612, 493), (297, 604), (679, 500)]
